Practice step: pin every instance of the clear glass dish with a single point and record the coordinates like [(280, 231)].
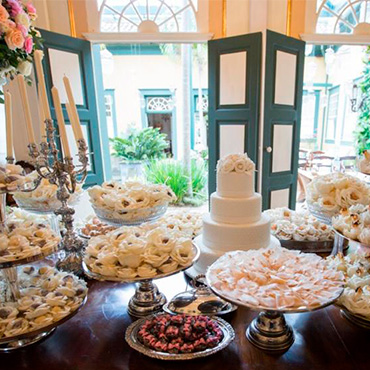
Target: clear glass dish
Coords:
[(131, 216)]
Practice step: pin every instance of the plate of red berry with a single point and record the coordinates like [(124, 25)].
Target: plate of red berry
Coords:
[(179, 337)]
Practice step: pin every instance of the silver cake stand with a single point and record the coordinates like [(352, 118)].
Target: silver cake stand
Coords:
[(342, 242), (8, 344), (269, 331), (9, 270), (147, 299)]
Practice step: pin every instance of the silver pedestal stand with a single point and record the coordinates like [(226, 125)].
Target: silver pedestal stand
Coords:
[(63, 173), (269, 331), (147, 299)]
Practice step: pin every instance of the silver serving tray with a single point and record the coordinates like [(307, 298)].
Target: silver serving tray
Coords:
[(96, 276), (133, 342), (308, 246), (355, 242), (358, 320), (47, 328), (269, 309), (26, 260)]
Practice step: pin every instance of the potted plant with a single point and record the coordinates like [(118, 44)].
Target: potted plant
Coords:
[(137, 148)]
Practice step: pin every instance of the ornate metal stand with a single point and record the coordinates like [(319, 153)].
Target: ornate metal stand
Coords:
[(62, 172), (270, 332), (147, 300)]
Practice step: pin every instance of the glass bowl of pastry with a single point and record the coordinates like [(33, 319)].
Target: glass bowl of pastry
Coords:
[(328, 194), (130, 203), (355, 300), (44, 198), (274, 281), (48, 298), (353, 224), (300, 230), (26, 241)]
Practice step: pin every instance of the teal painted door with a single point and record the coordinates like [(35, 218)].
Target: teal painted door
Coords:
[(282, 119), (72, 57), (234, 80)]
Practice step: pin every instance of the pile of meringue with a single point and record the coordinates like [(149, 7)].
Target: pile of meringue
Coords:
[(47, 296), (11, 176), (131, 252), (331, 192), (44, 197), (23, 239), (189, 224), (275, 279), (130, 199), (299, 226), (354, 223), (356, 270)]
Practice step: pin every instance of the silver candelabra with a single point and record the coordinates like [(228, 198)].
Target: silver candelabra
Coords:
[(63, 173)]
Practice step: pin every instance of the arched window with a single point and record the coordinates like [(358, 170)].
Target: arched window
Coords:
[(148, 16), (343, 16)]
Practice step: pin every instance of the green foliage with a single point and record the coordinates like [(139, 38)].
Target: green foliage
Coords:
[(173, 174), (362, 132), (144, 145)]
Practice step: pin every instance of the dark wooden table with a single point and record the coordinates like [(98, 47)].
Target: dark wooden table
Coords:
[(94, 340)]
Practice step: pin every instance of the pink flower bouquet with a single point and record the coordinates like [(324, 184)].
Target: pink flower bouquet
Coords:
[(18, 38)]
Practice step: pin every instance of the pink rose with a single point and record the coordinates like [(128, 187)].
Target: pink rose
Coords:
[(14, 39), (4, 15), (28, 45), (30, 8), (23, 29), (15, 7)]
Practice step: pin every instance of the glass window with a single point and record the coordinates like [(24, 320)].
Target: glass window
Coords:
[(341, 16), (331, 121), (309, 118), (148, 16)]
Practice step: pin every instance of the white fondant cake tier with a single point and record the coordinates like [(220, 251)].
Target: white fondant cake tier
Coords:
[(235, 185), (228, 237), (236, 210), (210, 255)]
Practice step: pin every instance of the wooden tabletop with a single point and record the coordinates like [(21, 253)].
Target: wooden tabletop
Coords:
[(94, 340)]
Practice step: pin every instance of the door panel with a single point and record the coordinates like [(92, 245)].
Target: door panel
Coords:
[(72, 57), (282, 119), (234, 79)]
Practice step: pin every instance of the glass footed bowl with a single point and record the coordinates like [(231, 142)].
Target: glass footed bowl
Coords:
[(131, 216), (37, 205), (321, 215)]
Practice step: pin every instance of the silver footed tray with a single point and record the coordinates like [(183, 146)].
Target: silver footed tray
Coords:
[(308, 246), (131, 337), (346, 240), (26, 260), (356, 319), (147, 299), (8, 344)]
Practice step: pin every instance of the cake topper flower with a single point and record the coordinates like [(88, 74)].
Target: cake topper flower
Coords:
[(239, 163)]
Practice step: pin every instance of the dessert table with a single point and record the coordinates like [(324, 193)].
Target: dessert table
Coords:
[(94, 340)]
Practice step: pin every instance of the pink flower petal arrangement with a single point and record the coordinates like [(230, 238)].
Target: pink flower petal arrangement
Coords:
[(18, 38)]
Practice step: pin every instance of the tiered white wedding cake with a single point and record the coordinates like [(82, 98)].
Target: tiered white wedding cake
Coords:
[(235, 221)]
